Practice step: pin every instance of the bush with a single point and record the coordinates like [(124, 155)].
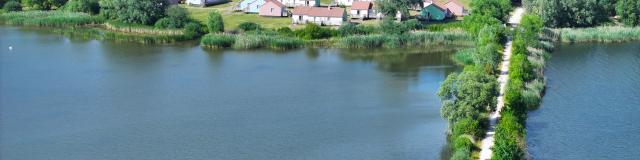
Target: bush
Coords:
[(192, 30), (464, 57), (461, 154), (215, 22), (467, 126), (462, 142), (145, 12), (412, 24), (285, 31), (313, 31), (86, 6), (390, 26), (249, 26), (177, 17), (12, 6), (218, 40)]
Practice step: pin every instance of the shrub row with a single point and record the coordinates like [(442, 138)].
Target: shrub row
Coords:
[(523, 91)]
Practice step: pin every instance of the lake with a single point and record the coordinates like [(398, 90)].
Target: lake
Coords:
[(67, 98), (591, 107)]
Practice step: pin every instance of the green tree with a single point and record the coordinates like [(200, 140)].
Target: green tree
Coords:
[(215, 22), (134, 11), (474, 23), (12, 6), (390, 8), (629, 12), (468, 94), (498, 9), (177, 17), (44, 4), (86, 6)]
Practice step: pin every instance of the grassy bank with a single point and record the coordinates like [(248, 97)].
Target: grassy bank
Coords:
[(409, 40), (50, 19), (598, 34)]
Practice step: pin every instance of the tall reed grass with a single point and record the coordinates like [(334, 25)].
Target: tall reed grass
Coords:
[(218, 40), (50, 19), (416, 39), (140, 29), (599, 34)]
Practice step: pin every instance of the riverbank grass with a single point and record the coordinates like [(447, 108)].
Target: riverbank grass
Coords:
[(50, 19), (598, 34)]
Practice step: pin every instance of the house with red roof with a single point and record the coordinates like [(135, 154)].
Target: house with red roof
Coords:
[(453, 7), (273, 8), (330, 16), (361, 10), (349, 2)]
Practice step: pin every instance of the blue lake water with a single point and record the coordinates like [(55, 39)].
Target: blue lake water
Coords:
[(75, 99)]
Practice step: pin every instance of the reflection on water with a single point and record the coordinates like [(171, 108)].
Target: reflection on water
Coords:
[(88, 99), (591, 106)]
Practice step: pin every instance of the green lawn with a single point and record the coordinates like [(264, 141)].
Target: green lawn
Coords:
[(233, 19)]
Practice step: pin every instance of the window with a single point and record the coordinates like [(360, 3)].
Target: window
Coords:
[(271, 10)]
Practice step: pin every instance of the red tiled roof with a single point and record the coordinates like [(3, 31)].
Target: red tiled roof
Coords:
[(277, 3), (456, 2), (361, 5), (319, 11)]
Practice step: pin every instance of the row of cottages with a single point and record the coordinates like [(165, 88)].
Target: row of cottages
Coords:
[(329, 16), (271, 8), (350, 2), (297, 3), (204, 3)]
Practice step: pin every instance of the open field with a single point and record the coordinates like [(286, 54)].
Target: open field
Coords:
[(233, 19)]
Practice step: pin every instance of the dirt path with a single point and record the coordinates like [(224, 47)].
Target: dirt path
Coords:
[(487, 143)]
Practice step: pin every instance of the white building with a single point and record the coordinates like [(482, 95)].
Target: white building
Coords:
[(296, 3), (205, 2), (350, 2), (329, 16)]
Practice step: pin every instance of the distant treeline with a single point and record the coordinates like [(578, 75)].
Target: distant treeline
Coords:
[(584, 13)]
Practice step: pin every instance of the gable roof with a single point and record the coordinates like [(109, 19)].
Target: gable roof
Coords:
[(361, 5), (455, 2), (276, 2), (319, 11), (437, 6)]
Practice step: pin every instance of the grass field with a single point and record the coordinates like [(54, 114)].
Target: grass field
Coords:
[(233, 19)]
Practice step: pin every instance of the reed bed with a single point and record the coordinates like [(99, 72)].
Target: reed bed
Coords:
[(218, 40), (416, 39), (250, 41), (599, 34), (50, 19), (140, 29)]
